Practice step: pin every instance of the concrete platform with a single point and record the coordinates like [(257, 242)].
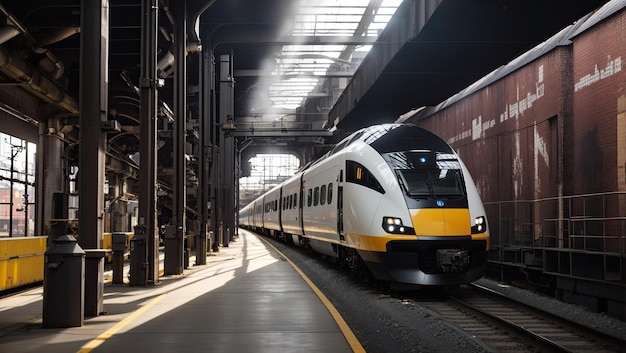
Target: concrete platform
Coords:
[(246, 299)]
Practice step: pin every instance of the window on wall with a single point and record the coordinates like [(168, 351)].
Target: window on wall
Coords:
[(17, 186), (265, 171)]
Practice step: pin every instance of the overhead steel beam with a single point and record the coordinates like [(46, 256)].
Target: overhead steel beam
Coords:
[(237, 36), (262, 73), (281, 133), (306, 95), (325, 40)]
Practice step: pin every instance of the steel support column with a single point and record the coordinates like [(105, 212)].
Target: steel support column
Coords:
[(94, 53), (174, 247), (205, 157), (52, 160), (148, 84), (215, 133), (226, 113), (231, 183), (228, 203)]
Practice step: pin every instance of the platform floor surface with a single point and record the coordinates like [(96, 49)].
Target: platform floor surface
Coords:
[(246, 299)]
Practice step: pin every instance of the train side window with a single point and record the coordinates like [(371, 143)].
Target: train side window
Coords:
[(323, 195), (295, 200), (316, 196), (358, 174), (310, 198), (329, 198)]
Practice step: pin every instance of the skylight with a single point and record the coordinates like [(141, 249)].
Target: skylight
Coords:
[(300, 67), (298, 70)]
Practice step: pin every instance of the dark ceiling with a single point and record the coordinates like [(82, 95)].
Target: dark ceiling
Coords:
[(461, 41)]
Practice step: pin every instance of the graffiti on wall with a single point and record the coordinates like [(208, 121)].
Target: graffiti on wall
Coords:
[(612, 67)]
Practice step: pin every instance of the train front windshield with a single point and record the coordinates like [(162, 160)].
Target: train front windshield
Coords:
[(431, 183), (425, 174)]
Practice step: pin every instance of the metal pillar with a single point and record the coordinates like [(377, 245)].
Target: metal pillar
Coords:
[(214, 174), (50, 158), (229, 189), (148, 84), (226, 112), (174, 253), (205, 157), (94, 53)]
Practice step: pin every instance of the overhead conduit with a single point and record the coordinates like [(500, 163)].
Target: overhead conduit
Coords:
[(29, 76), (35, 81)]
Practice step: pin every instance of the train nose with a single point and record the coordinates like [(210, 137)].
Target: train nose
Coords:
[(441, 221)]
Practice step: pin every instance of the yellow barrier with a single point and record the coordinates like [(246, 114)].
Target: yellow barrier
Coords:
[(107, 243), (21, 261)]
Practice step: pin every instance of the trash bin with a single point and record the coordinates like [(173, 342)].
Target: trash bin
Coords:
[(64, 283), (118, 244), (138, 275)]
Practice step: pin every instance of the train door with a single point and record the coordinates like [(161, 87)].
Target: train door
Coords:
[(342, 235), (280, 210), (301, 205)]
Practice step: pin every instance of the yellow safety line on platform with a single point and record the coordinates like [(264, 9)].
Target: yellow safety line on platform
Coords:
[(113, 330), (343, 326)]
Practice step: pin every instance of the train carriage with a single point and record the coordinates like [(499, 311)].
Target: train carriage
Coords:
[(319, 212), (272, 211)]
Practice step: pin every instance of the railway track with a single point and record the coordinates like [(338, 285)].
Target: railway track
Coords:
[(505, 325)]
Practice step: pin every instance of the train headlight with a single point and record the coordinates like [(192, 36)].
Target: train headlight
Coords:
[(394, 225), (480, 225)]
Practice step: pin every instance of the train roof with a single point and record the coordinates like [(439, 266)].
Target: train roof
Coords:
[(385, 138)]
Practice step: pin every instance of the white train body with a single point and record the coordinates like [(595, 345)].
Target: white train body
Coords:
[(396, 195)]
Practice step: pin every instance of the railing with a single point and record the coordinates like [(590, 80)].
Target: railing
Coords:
[(590, 222), (580, 235)]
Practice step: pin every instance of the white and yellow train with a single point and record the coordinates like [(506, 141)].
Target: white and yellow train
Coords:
[(394, 197)]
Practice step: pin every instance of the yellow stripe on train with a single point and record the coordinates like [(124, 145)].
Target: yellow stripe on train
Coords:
[(441, 221)]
